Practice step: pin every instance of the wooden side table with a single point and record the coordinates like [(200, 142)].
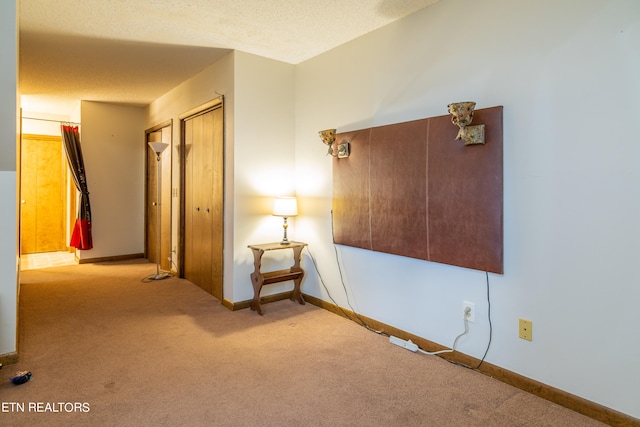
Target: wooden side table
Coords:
[(295, 273)]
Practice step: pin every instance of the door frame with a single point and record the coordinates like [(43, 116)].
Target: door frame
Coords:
[(201, 109)]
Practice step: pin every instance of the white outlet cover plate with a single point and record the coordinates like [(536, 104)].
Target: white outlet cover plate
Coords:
[(472, 306)]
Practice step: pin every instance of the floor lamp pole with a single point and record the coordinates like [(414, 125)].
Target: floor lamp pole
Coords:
[(158, 148)]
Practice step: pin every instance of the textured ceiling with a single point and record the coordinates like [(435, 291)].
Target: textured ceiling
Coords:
[(132, 51)]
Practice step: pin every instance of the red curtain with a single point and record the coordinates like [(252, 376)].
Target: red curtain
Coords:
[(81, 235)]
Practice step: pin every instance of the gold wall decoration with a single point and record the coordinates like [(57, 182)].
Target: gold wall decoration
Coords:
[(328, 137), (462, 116)]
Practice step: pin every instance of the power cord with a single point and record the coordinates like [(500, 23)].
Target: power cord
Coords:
[(490, 325), (360, 320), (346, 294), (490, 332), (170, 258), (363, 323), (355, 313), (455, 342)]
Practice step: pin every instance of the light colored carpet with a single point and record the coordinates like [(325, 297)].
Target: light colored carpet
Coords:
[(166, 353)]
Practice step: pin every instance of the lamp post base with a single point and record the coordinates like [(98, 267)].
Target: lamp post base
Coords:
[(158, 276)]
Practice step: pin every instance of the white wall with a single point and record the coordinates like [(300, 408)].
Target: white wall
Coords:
[(113, 144), (567, 76), (9, 106), (8, 262), (263, 166)]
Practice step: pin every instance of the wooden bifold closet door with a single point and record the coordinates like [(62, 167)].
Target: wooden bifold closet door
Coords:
[(203, 200), (43, 194)]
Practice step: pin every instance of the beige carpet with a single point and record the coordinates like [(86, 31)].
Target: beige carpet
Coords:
[(106, 349)]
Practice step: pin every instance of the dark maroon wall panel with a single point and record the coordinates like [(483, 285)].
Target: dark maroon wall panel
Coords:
[(398, 168), (351, 193), (411, 189)]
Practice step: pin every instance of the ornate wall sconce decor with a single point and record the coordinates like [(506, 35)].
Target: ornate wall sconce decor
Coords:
[(328, 137), (462, 116)]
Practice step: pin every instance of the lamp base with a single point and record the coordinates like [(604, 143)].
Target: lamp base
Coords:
[(285, 240), (159, 276)]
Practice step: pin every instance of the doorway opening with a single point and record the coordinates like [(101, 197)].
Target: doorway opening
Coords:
[(47, 203)]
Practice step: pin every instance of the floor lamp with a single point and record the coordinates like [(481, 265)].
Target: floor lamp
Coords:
[(158, 148)]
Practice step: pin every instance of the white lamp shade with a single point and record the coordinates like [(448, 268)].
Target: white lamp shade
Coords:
[(158, 147), (285, 206)]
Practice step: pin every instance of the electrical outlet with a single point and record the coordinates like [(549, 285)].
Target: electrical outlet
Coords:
[(526, 331), (471, 315)]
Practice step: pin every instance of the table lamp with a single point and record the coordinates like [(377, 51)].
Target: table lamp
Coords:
[(285, 207)]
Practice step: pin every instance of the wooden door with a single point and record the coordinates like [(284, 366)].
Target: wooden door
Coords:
[(159, 210), (43, 194), (217, 200), (197, 181), (203, 200), (188, 270)]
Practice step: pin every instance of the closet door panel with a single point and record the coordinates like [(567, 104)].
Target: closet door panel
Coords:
[(189, 269), (205, 233), (198, 236), (203, 200), (217, 211)]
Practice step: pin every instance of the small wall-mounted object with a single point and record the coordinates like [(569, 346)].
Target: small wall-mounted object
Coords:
[(462, 116), (328, 137)]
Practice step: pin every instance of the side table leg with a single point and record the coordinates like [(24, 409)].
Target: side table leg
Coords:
[(296, 295), (257, 281)]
